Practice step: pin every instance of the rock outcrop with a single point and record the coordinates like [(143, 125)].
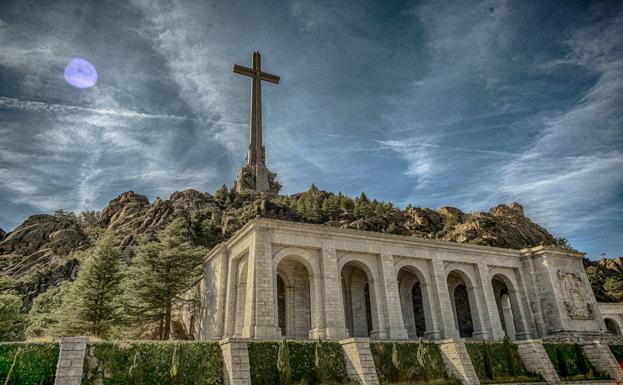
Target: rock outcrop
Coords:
[(40, 252)]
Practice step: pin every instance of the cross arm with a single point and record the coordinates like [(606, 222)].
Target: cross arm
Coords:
[(249, 72)]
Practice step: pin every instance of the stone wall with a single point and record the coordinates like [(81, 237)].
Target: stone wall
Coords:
[(71, 361)]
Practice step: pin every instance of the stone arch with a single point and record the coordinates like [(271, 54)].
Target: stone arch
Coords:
[(463, 298), (508, 303), (296, 293), (415, 301), (301, 310), (612, 326), (361, 313)]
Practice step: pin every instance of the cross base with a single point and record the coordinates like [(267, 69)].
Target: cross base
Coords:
[(256, 178)]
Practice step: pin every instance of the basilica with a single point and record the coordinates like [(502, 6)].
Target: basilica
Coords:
[(276, 279)]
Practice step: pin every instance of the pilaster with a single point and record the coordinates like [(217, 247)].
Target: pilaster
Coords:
[(332, 294), (444, 307), (393, 312)]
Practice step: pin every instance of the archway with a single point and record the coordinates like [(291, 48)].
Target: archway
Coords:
[(359, 301), (508, 304), (612, 326), (414, 302), (293, 299), (463, 303)]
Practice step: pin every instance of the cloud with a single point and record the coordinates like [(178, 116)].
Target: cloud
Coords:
[(53, 108)]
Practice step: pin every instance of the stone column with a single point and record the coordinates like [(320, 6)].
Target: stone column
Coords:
[(260, 297), (393, 310), (444, 309), (492, 325), (458, 363), (71, 361), (332, 294), (236, 368), (359, 362)]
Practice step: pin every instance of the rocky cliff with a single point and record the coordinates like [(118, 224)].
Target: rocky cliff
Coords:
[(40, 253)]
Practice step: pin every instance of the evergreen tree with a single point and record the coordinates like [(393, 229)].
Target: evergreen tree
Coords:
[(92, 303), (11, 325), (222, 194), (283, 363), (331, 207), (362, 206), (160, 273)]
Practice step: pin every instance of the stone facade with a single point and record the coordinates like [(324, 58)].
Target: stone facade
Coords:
[(71, 361), (283, 279)]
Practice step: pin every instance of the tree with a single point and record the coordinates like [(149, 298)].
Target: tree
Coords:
[(43, 318), (11, 325), (222, 194), (160, 273), (92, 303), (362, 206), (283, 363)]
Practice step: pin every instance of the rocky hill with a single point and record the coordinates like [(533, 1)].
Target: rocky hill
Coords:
[(41, 252)]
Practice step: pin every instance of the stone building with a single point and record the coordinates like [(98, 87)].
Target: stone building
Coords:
[(302, 281), (277, 279)]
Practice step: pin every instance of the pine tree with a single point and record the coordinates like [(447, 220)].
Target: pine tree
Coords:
[(92, 303), (160, 273), (331, 207), (222, 194), (283, 363), (362, 206)]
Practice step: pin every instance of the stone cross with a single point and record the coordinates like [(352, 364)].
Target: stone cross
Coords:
[(255, 156)]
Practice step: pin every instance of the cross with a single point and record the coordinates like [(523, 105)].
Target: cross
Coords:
[(256, 149)]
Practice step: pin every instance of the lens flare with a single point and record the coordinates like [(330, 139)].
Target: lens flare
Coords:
[(80, 73)]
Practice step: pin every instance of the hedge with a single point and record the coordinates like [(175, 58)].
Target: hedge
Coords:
[(617, 350), (499, 362), (409, 362), (35, 363), (571, 363), (263, 357), (154, 363)]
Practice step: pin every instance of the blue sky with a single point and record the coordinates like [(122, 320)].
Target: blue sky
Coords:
[(433, 103)]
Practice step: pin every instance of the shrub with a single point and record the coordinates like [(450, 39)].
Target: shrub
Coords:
[(31, 363), (499, 362), (305, 365), (571, 363), (617, 350), (154, 363), (409, 361)]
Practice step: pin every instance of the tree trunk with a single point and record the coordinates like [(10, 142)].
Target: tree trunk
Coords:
[(167, 320)]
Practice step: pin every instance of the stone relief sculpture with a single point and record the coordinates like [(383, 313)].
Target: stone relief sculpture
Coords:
[(575, 302)]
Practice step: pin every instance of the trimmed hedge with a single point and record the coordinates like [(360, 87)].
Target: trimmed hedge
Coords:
[(263, 357), (571, 363), (617, 350), (154, 363), (399, 362), (35, 363), (499, 362)]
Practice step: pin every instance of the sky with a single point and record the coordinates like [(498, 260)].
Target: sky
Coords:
[(431, 103)]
